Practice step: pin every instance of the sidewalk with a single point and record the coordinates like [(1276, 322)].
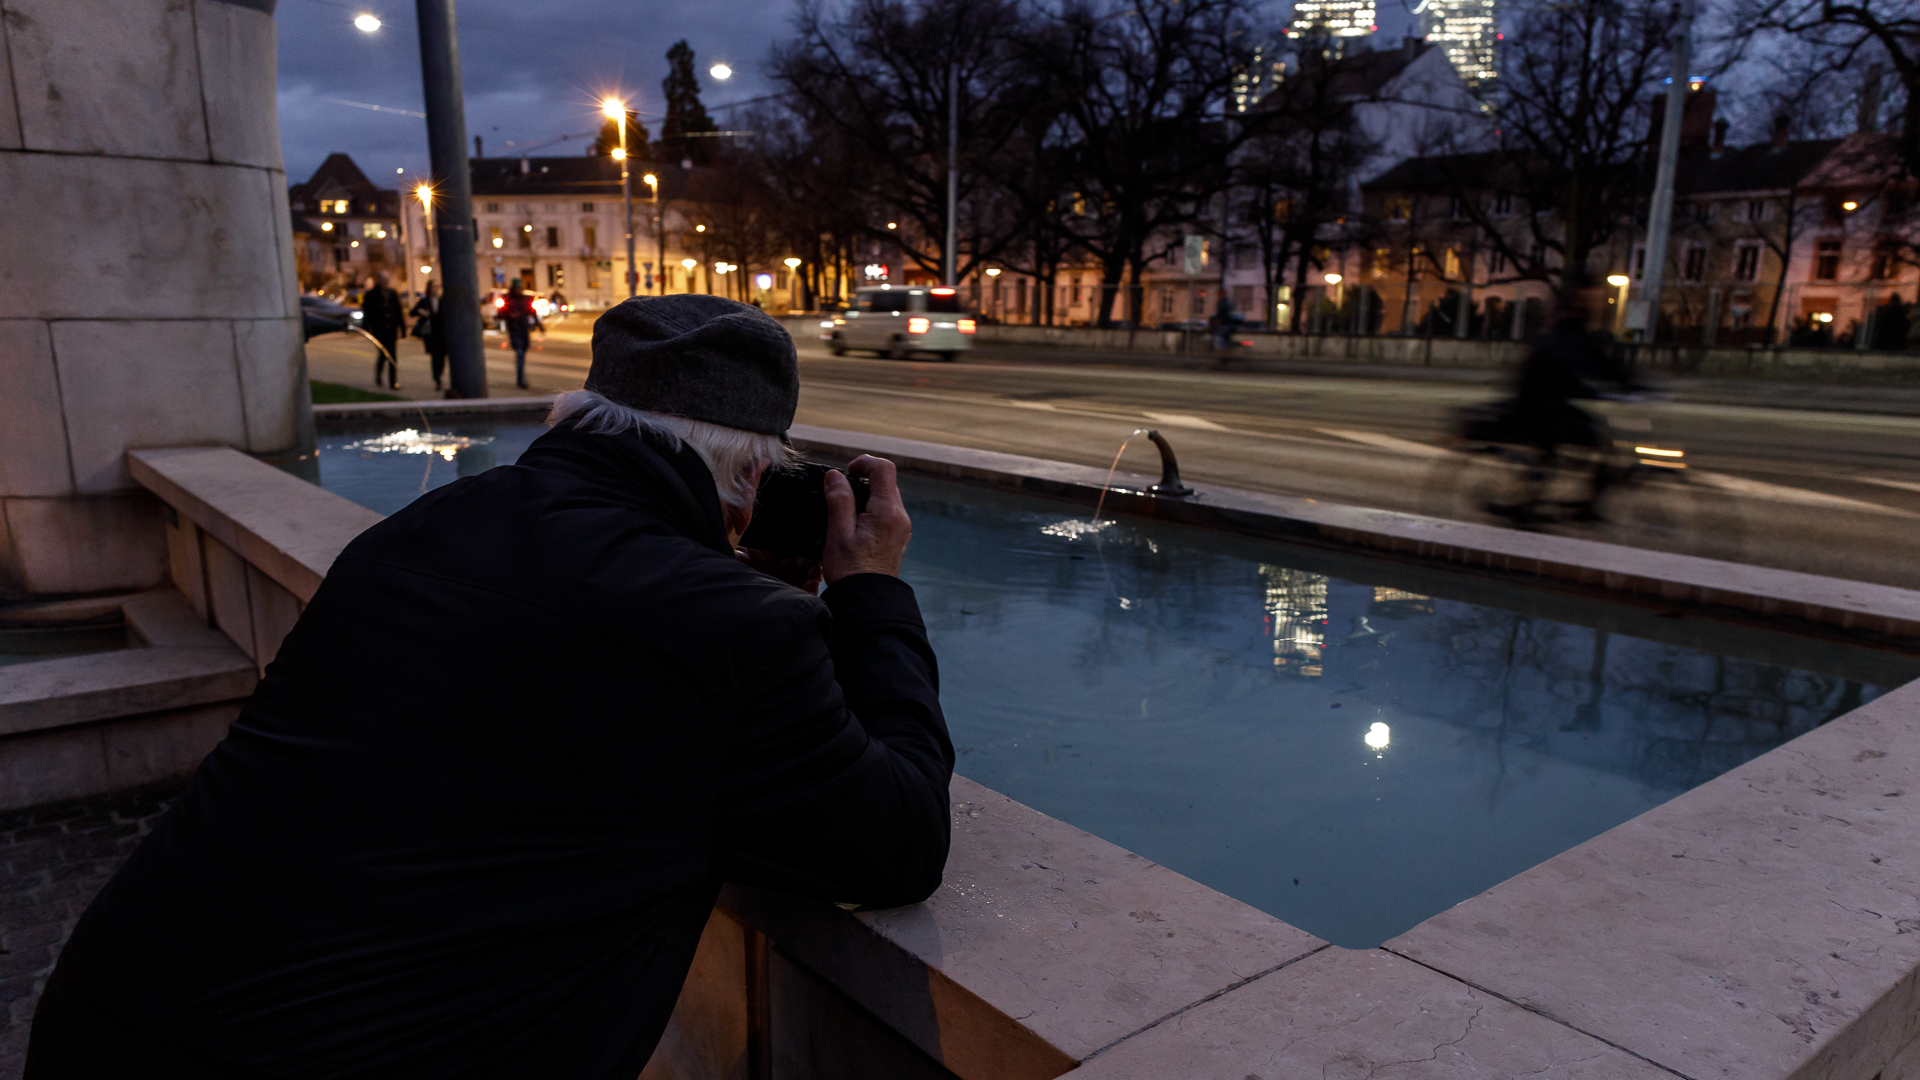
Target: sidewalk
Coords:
[(559, 362)]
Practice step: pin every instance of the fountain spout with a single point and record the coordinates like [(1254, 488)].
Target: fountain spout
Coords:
[(1169, 484)]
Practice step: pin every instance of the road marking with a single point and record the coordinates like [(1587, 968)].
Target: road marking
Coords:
[(1760, 489), (1907, 485), (1185, 421), (1387, 442), (1047, 406)]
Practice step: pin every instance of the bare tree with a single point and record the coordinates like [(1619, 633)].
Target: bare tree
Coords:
[(1295, 174), (1570, 105), (873, 77), (1142, 87)]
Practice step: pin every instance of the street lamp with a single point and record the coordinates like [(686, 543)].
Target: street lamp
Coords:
[(616, 110), (423, 192), (1333, 279), (1619, 281), (659, 232), (721, 72), (366, 22)]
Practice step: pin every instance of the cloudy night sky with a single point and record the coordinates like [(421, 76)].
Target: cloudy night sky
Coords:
[(533, 71)]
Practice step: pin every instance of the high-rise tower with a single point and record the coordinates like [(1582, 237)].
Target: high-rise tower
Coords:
[(1335, 18), (1466, 30)]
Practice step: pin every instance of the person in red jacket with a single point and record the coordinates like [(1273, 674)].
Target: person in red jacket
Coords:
[(520, 319)]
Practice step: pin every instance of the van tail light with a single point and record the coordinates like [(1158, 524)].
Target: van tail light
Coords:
[(966, 326), (919, 326)]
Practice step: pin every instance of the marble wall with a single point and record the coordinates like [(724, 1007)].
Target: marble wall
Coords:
[(146, 255)]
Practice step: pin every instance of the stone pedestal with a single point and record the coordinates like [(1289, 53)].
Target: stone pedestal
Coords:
[(147, 263)]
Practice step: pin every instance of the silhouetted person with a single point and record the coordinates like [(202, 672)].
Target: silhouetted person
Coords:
[(1226, 322), (380, 316), (520, 319), (1560, 369), (429, 329), (473, 820)]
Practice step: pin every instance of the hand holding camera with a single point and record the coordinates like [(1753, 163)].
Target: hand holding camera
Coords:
[(811, 522)]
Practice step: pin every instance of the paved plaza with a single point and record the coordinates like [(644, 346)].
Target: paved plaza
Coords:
[(55, 858)]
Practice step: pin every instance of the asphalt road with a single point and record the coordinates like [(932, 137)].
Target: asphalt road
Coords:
[(1803, 489)]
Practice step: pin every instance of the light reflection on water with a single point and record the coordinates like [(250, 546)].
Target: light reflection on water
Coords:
[(1348, 744), (1351, 755)]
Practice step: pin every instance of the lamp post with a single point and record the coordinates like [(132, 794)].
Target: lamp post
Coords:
[(793, 275), (1660, 213), (423, 192), (659, 230), (616, 110), (1620, 282), (453, 224)]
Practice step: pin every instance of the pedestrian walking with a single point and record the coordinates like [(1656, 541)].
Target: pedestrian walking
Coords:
[(427, 327), (380, 316), (520, 318)]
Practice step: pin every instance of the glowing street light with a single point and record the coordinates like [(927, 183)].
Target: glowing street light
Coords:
[(1378, 736), (1849, 206), (424, 193), (689, 263), (326, 226), (366, 22), (1333, 279), (721, 72), (426, 269), (1619, 281), (893, 224), (993, 271), (792, 263), (616, 110), (699, 228)]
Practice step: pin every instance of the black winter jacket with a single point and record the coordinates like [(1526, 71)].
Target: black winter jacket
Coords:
[(473, 819)]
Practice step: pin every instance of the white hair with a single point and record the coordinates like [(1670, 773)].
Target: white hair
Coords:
[(731, 455)]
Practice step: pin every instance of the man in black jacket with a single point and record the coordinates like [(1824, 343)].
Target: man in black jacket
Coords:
[(380, 316), (473, 819)]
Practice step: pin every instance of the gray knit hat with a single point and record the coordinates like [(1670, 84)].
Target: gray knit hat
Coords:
[(698, 357)]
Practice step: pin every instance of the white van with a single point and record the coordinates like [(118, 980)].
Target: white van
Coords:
[(898, 321)]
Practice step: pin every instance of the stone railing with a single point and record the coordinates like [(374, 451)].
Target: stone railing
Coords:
[(1757, 926), (247, 544)]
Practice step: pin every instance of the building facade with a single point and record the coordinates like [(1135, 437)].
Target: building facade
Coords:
[(345, 229)]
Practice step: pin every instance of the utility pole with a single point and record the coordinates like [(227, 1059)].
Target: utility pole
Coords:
[(453, 208), (1660, 213), (953, 170)]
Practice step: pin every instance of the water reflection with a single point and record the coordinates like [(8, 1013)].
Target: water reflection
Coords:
[(1296, 617), (1211, 723)]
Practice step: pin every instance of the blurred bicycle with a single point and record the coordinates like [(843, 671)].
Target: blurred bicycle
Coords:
[(1539, 458), (1530, 472)]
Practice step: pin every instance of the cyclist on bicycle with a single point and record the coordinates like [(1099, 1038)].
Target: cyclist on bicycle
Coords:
[(1562, 368)]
